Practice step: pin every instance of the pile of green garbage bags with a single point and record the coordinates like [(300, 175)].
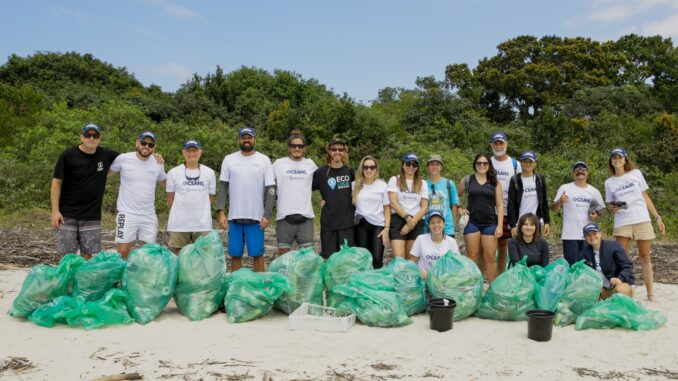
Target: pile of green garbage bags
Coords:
[(251, 295), (303, 268), (94, 278), (339, 268), (550, 288), (149, 279), (456, 277), (200, 277), (620, 310), (581, 293), (408, 284), (511, 295)]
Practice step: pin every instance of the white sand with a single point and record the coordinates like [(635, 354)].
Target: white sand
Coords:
[(172, 347)]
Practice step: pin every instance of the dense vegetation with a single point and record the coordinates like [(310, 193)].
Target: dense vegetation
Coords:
[(566, 98)]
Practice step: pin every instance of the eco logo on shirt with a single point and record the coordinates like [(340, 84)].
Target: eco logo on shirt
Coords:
[(332, 182)]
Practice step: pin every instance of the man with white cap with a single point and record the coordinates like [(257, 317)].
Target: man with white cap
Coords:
[(191, 188), (506, 167), (77, 193), (140, 171)]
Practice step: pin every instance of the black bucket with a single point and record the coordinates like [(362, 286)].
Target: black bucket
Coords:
[(540, 324), (441, 313)]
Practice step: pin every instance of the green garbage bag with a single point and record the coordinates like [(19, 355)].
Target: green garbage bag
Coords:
[(149, 279), (377, 306), (200, 277), (455, 276), (538, 273), (98, 275), (251, 295), (76, 311), (620, 310), (339, 267), (581, 293), (44, 283), (549, 293), (511, 295), (408, 285), (303, 267)]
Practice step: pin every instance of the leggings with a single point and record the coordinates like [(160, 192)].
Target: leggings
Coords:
[(367, 236)]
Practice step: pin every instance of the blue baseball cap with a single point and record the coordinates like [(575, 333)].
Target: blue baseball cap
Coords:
[(580, 164), (410, 156), (247, 131), (591, 228), (618, 151), (499, 136), (528, 155), (192, 144), (435, 214), (146, 134), (91, 126)]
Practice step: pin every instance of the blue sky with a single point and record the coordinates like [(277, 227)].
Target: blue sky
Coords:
[(357, 47)]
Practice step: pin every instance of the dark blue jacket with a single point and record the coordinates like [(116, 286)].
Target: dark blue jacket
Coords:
[(614, 261)]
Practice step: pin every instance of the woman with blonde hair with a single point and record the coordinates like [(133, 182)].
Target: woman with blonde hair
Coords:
[(372, 211)]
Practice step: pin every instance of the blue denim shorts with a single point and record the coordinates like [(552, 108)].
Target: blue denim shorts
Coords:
[(484, 230)]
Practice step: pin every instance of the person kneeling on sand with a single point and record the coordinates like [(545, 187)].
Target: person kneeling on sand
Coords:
[(610, 260), (428, 248)]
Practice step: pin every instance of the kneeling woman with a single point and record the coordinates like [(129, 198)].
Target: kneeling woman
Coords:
[(429, 247), (610, 260), (528, 242)]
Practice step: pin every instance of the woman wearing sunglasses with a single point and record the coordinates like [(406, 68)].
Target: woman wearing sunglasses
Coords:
[(372, 210), (486, 214), (408, 194), (626, 192)]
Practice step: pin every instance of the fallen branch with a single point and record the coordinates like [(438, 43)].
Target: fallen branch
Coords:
[(121, 377)]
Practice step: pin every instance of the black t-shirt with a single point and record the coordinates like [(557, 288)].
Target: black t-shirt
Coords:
[(537, 252), (482, 203), (84, 182), (335, 189)]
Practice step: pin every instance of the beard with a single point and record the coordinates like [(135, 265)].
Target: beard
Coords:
[(142, 154), (499, 152), (247, 147)]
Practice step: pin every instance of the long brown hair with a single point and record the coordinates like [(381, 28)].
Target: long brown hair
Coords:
[(328, 157), (359, 180), (628, 165), (402, 180), (491, 172), (535, 221)]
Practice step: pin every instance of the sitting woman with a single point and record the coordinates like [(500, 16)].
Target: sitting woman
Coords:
[(528, 242), (610, 260), (428, 248)]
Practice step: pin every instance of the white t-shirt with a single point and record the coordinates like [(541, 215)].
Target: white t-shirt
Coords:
[(247, 177), (428, 251), (408, 200), (191, 210), (293, 181), (628, 188), (529, 202), (505, 171), (576, 209), (371, 200), (137, 182)]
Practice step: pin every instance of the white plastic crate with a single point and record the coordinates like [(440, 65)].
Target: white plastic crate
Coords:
[(312, 317)]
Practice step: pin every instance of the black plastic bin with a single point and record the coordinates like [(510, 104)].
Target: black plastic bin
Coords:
[(441, 313), (540, 324)]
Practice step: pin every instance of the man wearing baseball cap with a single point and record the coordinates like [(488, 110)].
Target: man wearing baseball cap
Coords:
[(247, 179), (140, 171), (190, 194), (610, 260), (506, 167), (77, 193)]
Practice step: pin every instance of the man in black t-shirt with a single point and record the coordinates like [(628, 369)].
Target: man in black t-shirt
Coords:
[(77, 193), (333, 180)]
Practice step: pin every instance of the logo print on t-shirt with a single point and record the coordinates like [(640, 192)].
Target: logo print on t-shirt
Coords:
[(100, 166), (332, 182)]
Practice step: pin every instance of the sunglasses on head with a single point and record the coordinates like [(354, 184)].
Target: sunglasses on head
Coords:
[(337, 149), (91, 136), (297, 146), (145, 143), (369, 167), (482, 163), (412, 164)]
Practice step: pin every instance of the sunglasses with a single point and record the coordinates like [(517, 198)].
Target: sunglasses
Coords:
[(369, 167), (580, 169), (91, 136), (482, 163), (297, 146), (145, 143), (412, 164), (337, 149)]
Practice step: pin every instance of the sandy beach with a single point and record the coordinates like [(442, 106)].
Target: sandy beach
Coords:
[(174, 348)]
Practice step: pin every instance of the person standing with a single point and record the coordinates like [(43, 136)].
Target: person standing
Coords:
[(77, 192), (247, 177), (581, 204), (527, 194), (443, 196), (190, 194), (408, 193), (372, 210), (333, 180), (626, 193), (294, 209), (140, 171)]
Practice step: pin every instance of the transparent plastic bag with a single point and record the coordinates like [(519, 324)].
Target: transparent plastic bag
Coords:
[(303, 267), (511, 295), (455, 276), (251, 295), (620, 310)]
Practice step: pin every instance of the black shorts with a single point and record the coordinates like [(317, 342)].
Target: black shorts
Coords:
[(397, 224), (330, 241)]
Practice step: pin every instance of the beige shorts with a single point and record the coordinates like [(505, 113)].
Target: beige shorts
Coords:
[(177, 240), (638, 232)]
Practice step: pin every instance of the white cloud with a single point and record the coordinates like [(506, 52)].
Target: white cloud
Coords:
[(175, 9), (667, 27)]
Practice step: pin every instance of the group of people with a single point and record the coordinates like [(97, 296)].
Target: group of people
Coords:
[(505, 216)]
